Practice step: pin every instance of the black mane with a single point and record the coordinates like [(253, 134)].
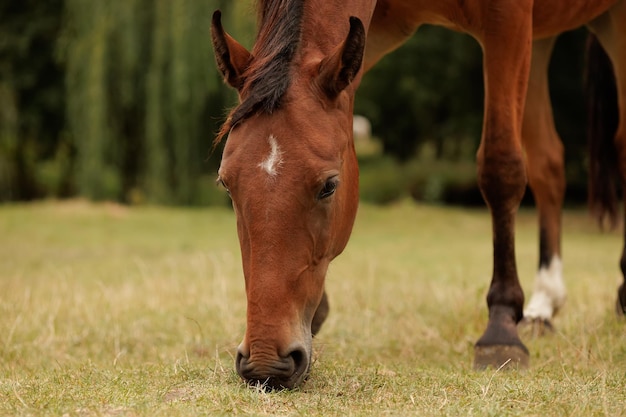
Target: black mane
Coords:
[(269, 75)]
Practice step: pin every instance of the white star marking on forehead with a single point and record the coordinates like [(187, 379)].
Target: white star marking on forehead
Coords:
[(274, 159)]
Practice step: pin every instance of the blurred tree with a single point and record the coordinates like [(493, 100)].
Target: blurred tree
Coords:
[(142, 92), (109, 99), (119, 99), (428, 91), (31, 94)]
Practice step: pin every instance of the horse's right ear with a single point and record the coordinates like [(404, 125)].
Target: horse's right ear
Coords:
[(339, 69), (232, 58)]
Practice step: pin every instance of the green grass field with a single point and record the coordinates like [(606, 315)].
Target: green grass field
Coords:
[(114, 311)]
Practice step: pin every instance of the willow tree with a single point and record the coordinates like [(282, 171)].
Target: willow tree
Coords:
[(143, 95), (86, 98), (31, 96)]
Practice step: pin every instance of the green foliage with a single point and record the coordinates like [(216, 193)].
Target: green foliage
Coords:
[(142, 85), (109, 99), (31, 93), (428, 91), (120, 99), (382, 181), (441, 181)]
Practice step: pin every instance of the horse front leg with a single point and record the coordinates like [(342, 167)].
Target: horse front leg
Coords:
[(546, 177), (506, 42), (320, 314)]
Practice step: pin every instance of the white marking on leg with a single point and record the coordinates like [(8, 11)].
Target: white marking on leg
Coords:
[(274, 159), (549, 294)]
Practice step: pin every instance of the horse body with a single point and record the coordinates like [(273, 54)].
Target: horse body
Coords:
[(395, 20), (290, 166), (550, 18)]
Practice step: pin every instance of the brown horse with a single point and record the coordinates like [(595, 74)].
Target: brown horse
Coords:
[(290, 167)]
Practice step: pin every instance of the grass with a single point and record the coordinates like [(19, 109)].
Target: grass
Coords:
[(111, 311)]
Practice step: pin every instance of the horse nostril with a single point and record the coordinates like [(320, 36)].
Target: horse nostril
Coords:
[(240, 364), (301, 363)]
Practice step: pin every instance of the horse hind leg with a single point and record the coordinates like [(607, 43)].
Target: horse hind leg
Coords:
[(546, 177), (611, 32)]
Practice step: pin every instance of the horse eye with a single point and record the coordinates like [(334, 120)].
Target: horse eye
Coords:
[(221, 182), (329, 188)]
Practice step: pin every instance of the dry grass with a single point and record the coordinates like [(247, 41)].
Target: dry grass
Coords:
[(109, 311)]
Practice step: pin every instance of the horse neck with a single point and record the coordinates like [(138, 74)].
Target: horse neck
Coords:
[(325, 23)]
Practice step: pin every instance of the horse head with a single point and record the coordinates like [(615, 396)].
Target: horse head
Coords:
[(290, 168)]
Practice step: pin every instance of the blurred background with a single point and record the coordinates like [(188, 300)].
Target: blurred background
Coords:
[(119, 100)]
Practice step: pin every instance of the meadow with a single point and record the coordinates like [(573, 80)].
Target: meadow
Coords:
[(108, 310)]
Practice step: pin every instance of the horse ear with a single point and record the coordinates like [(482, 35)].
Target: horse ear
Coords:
[(339, 68), (232, 58)]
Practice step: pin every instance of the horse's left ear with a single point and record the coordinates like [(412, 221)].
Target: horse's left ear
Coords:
[(232, 58), (337, 70)]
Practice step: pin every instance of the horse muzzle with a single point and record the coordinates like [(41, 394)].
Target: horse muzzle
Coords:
[(277, 373)]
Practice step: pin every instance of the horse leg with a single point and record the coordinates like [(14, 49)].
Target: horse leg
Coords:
[(320, 314), (611, 32), (546, 177), (506, 44)]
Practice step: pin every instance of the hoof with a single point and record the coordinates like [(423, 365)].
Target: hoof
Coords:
[(620, 304), (620, 309), (500, 356), (536, 327)]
